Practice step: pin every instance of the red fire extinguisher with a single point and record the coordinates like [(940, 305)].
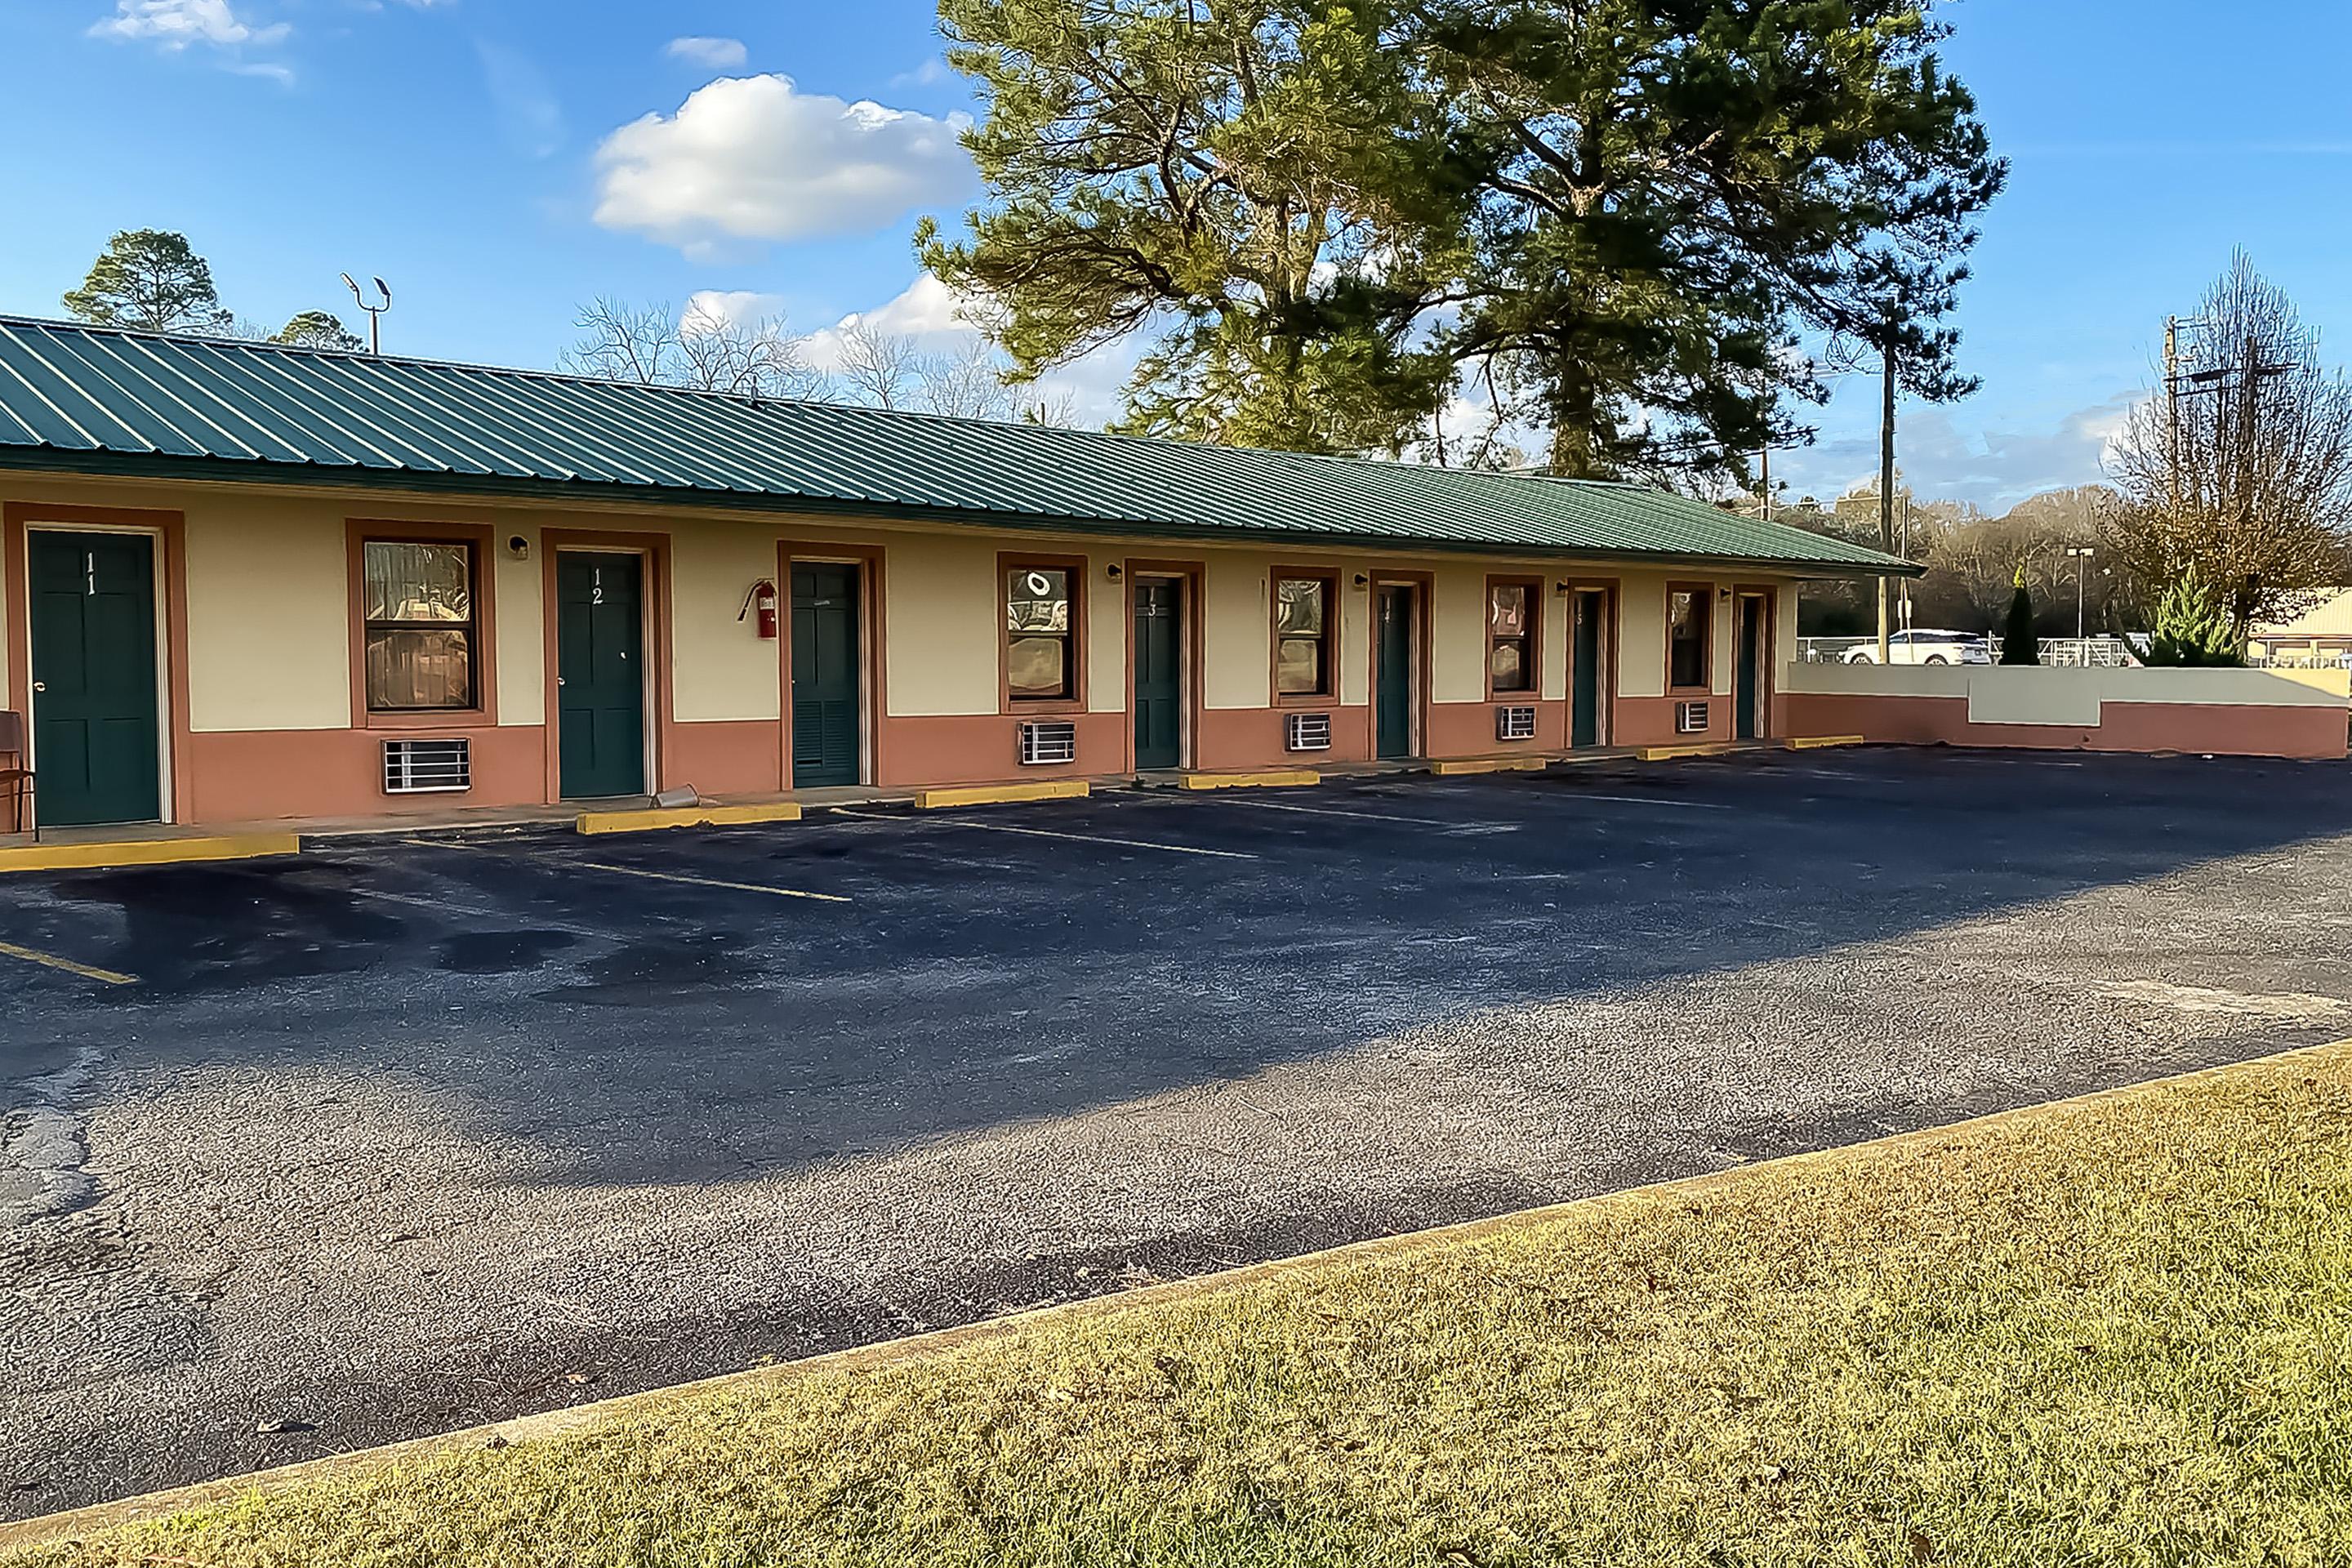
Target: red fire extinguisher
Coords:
[(763, 598)]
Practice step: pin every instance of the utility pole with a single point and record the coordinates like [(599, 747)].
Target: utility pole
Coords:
[(1768, 484), (1886, 485)]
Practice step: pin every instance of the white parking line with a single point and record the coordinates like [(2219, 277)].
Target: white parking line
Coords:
[(1378, 816), (638, 872), (504, 917), (1049, 833), (1652, 800), (706, 881)]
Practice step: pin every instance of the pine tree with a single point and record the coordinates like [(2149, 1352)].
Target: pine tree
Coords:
[(2018, 643), (151, 279)]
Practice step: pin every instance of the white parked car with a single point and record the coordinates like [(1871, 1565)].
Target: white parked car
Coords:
[(1920, 646)]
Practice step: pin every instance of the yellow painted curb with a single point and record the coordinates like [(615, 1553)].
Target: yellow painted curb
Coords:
[(687, 816), (1669, 753), (1270, 778), (83, 1522), (146, 852), (996, 794), (1454, 767), (1815, 743)]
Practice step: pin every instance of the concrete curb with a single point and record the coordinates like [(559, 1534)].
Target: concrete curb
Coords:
[(1815, 743), (650, 818), (1671, 754), (1000, 794), (76, 1523), (147, 851), (1268, 778), (1462, 767)]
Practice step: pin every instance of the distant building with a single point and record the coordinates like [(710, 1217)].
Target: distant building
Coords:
[(2323, 634)]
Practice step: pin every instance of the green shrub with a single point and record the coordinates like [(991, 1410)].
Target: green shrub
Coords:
[(2194, 627)]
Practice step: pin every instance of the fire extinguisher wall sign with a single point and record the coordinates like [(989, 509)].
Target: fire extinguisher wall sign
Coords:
[(762, 599)]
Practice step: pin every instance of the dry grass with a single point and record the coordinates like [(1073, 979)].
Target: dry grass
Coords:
[(2112, 1333)]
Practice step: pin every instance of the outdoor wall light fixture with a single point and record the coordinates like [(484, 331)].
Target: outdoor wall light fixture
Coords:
[(1363, 580), (1116, 572)]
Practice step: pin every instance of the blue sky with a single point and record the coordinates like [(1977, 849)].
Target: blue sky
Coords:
[(499, 161)]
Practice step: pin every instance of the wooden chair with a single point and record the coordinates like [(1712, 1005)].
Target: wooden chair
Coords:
[(16, 775)]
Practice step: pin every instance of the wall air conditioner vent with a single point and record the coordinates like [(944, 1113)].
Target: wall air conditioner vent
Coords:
[(1690, 719), (428, 767), (1048, 741), (1306, 732), (1516, 723)]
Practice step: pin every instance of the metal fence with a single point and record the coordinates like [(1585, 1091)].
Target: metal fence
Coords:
[(2071, 653)]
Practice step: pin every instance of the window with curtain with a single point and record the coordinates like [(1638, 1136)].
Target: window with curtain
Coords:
[(1687, 638), (1038, 663), (1510, 637), (1302, 636), (419, 608)]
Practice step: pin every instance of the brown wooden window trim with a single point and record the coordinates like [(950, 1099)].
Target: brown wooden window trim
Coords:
[(1329, 578), (1706, 594), (1073, 639), (1533, 639), (360, 532)]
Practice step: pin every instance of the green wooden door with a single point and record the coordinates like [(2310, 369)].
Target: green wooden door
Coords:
[(1747, 701), (826, 701), (600, 672), (1392, 680), (1584, 711), (95, 728), (1159, 673)]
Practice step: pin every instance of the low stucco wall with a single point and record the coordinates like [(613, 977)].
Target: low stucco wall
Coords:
[(2235, 712)]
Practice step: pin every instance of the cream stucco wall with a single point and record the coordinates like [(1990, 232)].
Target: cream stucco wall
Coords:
[(1458, 648), (519, 653), (1551, 642), (1106, 649), (270, 598), (1236, 667), (270, 616), (1641, 635), (945, 619), (725, 669)]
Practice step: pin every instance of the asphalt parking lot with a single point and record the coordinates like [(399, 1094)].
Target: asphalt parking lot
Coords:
[(397, 1136)]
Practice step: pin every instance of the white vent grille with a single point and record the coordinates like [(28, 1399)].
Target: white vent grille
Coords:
[(1515, 723), (1690, 719), (1055, 741), (1306, 732), (428, 767)]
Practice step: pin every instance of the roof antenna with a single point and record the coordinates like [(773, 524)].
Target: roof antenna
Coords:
[(374, 313)]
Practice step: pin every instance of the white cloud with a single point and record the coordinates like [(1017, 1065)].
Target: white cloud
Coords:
[(714, 54), (755, 158), (926, 310), (530, 118), (930, 73), (1942, 459), (937, 322), (175, 24), (708, 309)]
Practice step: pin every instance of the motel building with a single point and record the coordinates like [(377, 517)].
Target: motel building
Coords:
[(244, 583)]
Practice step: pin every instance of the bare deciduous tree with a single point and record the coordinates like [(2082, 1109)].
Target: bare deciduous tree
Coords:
[(2242, 469), (652, 344), (967, 386), (879, 369)]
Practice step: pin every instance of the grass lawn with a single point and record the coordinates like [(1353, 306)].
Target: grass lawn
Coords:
[(2116, 1332)]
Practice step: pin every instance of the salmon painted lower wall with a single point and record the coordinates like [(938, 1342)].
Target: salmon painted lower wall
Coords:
[(251, 775), (2239, 730)]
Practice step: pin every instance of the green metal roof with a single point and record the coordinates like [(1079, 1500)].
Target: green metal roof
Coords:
[(94, 399)]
